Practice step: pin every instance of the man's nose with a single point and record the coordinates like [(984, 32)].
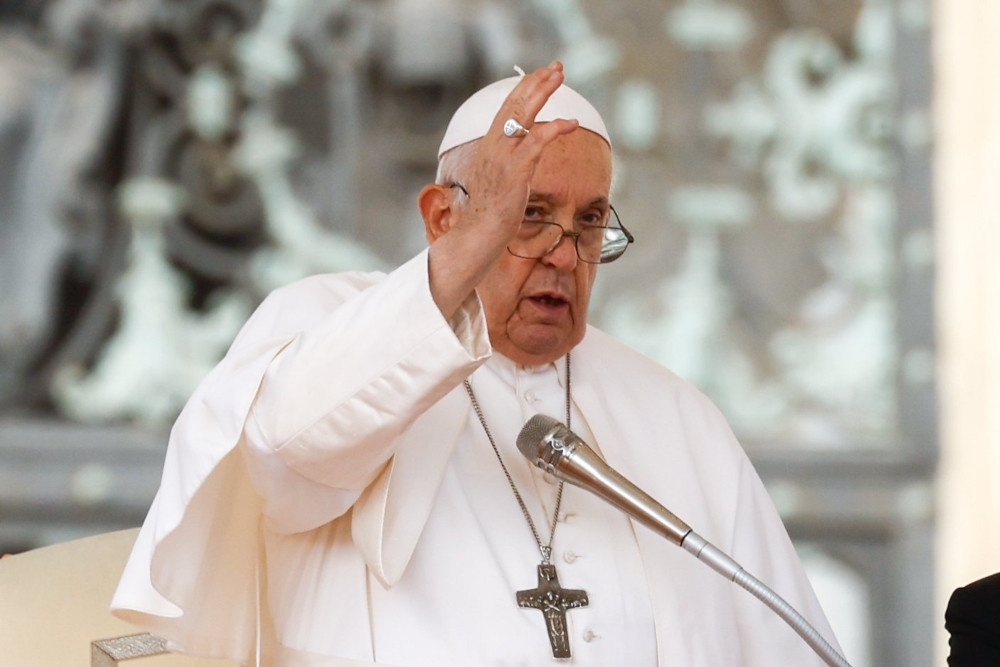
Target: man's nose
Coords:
[(563, 256)]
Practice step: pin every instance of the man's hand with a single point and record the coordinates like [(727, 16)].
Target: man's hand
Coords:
[(468, 239), (499, 180)]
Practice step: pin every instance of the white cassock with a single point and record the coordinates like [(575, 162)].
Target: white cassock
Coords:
[(329, 497)]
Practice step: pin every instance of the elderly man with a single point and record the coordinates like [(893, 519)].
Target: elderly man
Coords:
[(344, 487)]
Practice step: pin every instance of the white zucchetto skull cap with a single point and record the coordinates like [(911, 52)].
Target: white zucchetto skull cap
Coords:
[(472, 120)]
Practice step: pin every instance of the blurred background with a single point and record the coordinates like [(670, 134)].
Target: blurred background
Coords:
[(813, 185)]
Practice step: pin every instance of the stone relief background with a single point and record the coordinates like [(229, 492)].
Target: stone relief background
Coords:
[(168, 163)]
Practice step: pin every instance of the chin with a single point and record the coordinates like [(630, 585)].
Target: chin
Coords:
[(534, 355), (535, 345)]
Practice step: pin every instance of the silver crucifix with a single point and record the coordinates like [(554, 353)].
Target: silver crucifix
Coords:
[(553, 601)]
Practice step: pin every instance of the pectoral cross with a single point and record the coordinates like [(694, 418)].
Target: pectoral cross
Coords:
[(553, 601)]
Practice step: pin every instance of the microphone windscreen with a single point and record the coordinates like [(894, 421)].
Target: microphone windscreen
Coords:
[(532, 433)]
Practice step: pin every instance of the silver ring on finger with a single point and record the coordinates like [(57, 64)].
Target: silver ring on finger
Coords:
[(514, 129)]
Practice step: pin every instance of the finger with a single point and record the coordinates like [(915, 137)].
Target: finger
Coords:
[(528, 97), (539, 91), (542, 134)]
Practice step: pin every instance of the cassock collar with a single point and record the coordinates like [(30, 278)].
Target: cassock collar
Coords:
[(509, 371)]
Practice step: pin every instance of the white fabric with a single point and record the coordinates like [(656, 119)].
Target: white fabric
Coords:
[(376, 495), (477, 549), (473, 119)]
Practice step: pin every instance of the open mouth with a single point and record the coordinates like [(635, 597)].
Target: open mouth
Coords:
[(549, 301)]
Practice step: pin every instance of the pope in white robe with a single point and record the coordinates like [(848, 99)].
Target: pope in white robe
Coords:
[(331, 497)]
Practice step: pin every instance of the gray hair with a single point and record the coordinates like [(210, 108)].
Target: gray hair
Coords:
[(452, 166)]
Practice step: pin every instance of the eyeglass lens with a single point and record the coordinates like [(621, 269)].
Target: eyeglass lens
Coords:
[(593, 244)]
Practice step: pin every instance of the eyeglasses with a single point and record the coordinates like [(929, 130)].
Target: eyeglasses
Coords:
[(598, 243)]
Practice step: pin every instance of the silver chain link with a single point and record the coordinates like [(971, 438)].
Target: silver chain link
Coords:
[(545, 550)]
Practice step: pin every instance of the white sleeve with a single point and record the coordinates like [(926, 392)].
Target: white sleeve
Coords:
[(302, 411), (337, 395)]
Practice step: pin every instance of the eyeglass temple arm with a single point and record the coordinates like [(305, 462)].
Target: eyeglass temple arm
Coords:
[(628, 234)]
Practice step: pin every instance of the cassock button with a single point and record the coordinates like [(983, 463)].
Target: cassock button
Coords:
[(590, 636), (570, 557), (531, 397), (549, 479)]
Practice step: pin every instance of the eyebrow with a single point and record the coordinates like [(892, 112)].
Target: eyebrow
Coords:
[(549, 198)]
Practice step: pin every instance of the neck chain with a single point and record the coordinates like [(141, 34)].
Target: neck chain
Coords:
[(549, 598)]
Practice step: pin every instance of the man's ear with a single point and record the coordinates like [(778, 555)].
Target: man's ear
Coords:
[(435, 208)]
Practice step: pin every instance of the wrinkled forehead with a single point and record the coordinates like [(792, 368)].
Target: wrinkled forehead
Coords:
[(473, 118)]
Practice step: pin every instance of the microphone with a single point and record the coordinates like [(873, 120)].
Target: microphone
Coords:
[(553, 447)]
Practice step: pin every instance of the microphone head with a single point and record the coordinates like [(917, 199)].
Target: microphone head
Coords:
[(543, 440), (529, 441)]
